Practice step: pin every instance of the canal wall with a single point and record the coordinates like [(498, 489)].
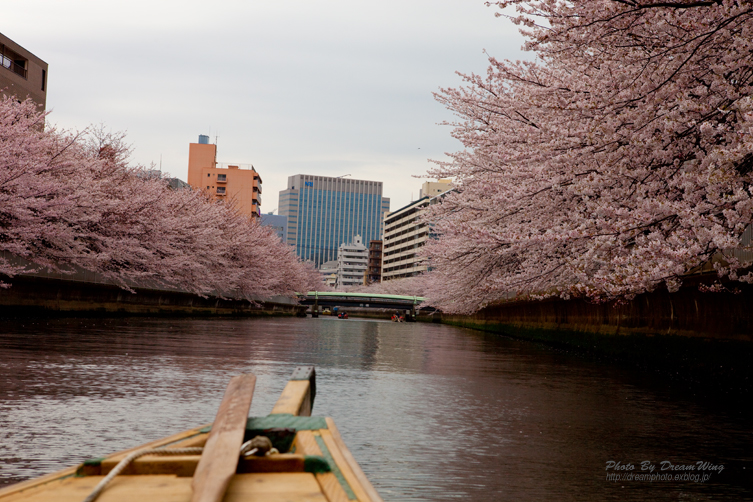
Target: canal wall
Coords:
[(31, 295), (704, 339)]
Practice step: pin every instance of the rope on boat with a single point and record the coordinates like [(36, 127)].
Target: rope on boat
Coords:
[(133, 456), (259, 446)]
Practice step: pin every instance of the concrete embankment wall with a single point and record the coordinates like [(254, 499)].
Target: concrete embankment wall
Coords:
[(30, 295), (705, 339)]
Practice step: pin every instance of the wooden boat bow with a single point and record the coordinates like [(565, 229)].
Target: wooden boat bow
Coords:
[(313, 464)]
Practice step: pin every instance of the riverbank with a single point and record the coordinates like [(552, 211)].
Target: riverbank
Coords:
[(41, 296), (704, 340)]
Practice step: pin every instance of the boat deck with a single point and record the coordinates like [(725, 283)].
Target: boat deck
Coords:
[(313, 463)]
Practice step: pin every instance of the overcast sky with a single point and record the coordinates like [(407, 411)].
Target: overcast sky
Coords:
[(323, 87)]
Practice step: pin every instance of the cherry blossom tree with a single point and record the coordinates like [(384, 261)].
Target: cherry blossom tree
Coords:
[(615, 162), (73, 200), (34, 205)]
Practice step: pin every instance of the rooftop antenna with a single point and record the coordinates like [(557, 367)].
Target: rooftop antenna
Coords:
[(160, 163)]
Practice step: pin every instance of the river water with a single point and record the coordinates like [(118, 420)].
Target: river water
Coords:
[(430, 412)]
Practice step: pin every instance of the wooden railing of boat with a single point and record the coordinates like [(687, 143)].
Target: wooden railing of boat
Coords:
[(313, 464)]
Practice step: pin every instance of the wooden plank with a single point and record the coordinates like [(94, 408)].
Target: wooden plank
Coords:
[(274, 487), (185, 465), (8, 492), (191, 442), (266, 487), (220, 457), (170, 440), (283, 462), (295, 399), (333, 436), (331, 487), (182, 440), (345, 469), (121, 489), (177, 465), (30, 483), (305, 444)]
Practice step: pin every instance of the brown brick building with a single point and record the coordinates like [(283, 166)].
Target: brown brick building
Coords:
[(22, 74), (375, 262)]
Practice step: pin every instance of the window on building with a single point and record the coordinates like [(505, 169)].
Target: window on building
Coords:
[(220, 190), (222, 177)]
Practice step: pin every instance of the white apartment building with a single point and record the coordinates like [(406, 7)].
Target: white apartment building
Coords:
[(404, 233), (352, 263), (328, 270)]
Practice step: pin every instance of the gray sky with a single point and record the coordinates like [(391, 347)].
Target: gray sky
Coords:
[(324, 87)]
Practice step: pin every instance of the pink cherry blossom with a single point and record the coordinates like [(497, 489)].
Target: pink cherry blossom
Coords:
[(617, 161), (73, 200)]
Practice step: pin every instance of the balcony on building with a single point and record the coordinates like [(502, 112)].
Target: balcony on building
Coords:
[(221, 191), (13, 62), (222, 178)]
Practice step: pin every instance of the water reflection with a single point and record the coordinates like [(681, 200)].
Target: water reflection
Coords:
[(431, 412)]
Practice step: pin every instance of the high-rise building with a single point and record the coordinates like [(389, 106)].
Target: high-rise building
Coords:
[(237, 182), (22, 74), (325, 212), (352, 262)]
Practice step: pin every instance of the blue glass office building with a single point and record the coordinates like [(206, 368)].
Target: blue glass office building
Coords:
[(325, 212)]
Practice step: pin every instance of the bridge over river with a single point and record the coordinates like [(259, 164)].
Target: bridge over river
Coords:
[(344, 300)]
